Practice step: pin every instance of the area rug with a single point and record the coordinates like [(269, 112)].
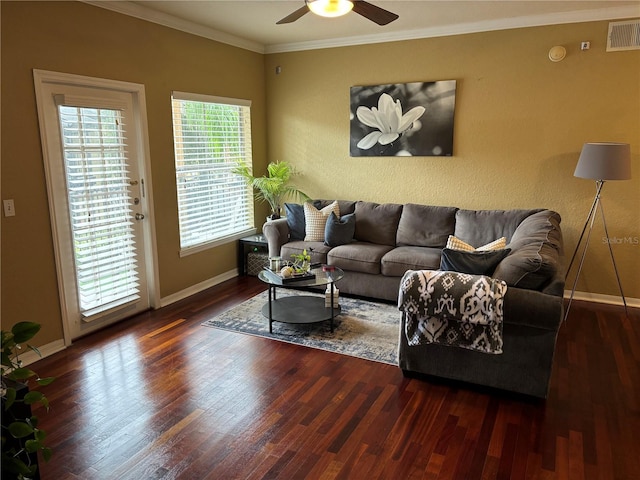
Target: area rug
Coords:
[(363, 329)]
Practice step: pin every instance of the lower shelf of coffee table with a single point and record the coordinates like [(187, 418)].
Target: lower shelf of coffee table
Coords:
[(299, 309)]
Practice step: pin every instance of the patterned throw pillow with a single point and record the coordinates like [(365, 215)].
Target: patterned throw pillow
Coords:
[(316, 220), (455, 243)]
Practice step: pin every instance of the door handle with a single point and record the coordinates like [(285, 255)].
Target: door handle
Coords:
[(139, 216)]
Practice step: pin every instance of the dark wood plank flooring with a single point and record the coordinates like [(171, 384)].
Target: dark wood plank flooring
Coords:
[(161, 397)]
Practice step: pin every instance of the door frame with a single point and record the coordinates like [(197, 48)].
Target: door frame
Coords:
[(44, 78)]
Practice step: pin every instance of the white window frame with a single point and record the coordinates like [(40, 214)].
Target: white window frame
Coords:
[(219, 238)]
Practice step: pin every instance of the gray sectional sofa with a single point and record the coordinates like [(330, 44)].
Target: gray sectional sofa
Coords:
[(390, 239)]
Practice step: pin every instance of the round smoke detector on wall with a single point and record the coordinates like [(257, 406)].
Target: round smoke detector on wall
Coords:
[(557, 53)]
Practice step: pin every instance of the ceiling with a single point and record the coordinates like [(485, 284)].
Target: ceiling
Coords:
[(251, 24)]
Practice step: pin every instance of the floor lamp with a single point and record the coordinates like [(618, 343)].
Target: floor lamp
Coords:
[(600, 162)]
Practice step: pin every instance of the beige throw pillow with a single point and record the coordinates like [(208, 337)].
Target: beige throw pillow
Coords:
[(316, 220), (455, 243)]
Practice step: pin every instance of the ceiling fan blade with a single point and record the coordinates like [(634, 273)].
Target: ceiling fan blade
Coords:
[(293, 16), (373, 13)]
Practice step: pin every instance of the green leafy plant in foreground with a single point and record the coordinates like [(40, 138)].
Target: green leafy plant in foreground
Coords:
[(21, 437)]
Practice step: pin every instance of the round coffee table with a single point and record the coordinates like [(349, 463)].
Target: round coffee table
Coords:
[(300, 308)]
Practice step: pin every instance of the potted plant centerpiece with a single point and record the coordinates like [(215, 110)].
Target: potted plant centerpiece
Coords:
[(274, 187), (301, 262), (21, 437)]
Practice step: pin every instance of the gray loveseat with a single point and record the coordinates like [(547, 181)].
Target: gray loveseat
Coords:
[(390, 239)]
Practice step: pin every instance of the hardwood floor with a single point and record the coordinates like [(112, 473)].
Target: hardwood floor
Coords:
[(161, 397)]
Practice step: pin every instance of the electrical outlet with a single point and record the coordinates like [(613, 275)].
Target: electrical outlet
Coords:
[(585, 45), (9, 208)]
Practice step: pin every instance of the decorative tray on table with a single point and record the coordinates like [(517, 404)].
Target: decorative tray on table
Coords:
[(276, 277)]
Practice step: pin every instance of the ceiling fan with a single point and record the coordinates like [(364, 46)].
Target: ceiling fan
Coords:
[(336, 8)]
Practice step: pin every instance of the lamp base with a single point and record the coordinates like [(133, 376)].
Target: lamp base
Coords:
[(595, 206)]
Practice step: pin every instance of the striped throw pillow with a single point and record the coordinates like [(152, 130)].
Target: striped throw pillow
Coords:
[(455, 243)]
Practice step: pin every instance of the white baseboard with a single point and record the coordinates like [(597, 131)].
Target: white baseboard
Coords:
[(583, 296), (29, 356), (164, 301), (600, 298)]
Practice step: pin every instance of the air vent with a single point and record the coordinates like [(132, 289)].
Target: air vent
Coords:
[(624, 36)]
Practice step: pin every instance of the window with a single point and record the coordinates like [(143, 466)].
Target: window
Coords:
[(211, 134), (100, 207)]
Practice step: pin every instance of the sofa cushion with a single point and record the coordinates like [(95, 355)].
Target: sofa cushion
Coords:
[(295, 219), (377, 223), (316, 220), (400, 259), (479, 227), (425, 226), (346, 206), (474, 263), (317, 250), (358, 256), (339, 231), (536, 248)]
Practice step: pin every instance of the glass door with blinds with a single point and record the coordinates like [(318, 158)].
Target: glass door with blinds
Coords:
[(100, 183), (99, 198)]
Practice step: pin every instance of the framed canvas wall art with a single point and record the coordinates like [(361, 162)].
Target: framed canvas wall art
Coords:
[(402, 119)]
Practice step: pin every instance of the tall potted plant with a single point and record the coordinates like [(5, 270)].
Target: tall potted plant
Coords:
[(21, 437), (274, 187)]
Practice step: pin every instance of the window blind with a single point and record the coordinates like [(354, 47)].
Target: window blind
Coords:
[(210, 135), (100, 208)]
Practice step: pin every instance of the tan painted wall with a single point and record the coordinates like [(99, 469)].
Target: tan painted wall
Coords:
[(520, 123), (73, 37)]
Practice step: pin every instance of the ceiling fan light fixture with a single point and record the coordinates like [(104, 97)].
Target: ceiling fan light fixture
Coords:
[(329, 8)]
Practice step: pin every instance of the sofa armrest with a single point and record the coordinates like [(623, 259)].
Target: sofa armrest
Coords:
[(536, 252), (277, 234)]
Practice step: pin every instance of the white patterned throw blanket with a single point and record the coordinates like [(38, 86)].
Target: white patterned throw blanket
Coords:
[(454, 309)]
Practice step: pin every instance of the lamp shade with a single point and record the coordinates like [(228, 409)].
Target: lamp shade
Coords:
[(330, 8), (604, 161)]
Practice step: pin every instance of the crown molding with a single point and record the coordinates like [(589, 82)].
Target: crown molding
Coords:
[(465, 28), (144, 13), (150, 15)]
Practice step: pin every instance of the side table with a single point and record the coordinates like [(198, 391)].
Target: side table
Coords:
[(246, 245)]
